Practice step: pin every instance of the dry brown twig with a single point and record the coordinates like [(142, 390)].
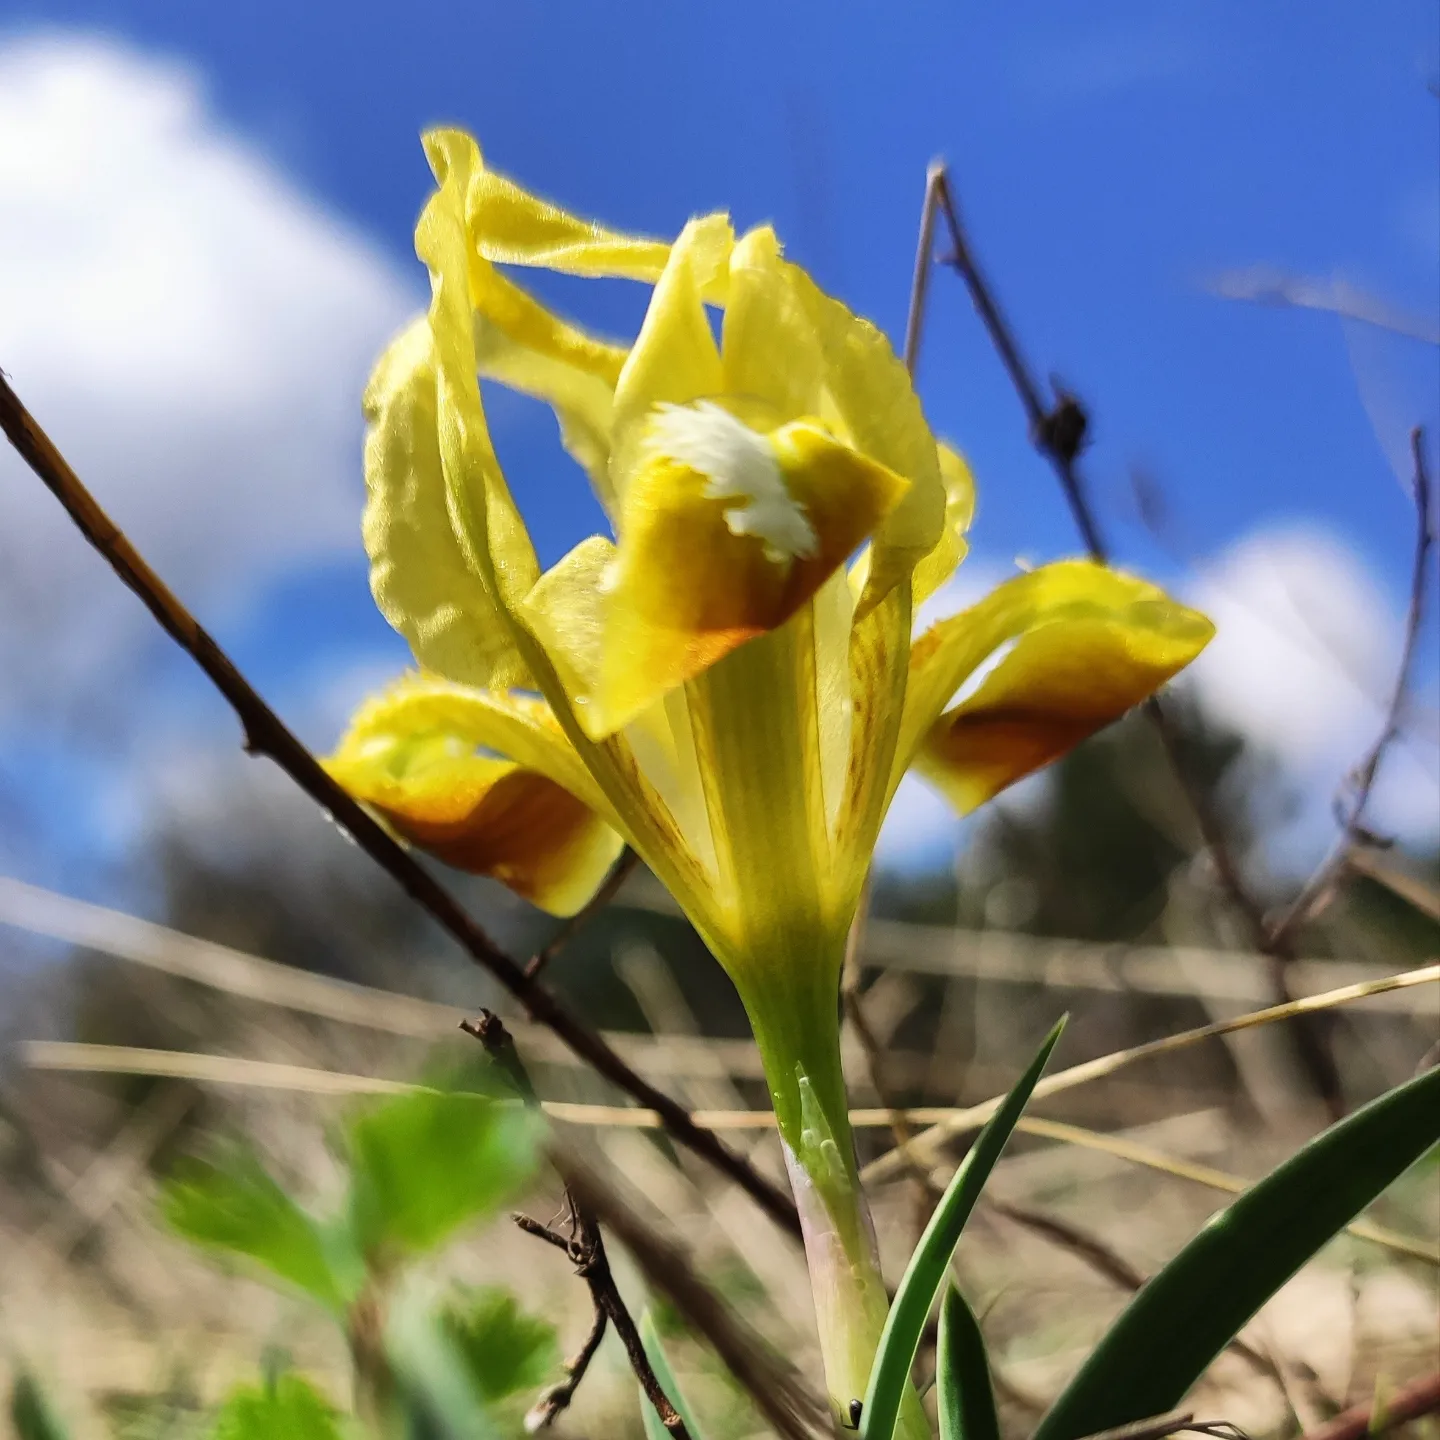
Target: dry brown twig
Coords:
[(1058, 431), (585, 1247), (1351, 804), (266, 734), (620, 872), (778, 1392)]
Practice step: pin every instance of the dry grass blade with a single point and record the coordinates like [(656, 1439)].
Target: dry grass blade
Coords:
[(957, 1121), (1125, 1149), (232, 1070)]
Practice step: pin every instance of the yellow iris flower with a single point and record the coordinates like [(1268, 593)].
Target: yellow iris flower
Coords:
[(730, 686)]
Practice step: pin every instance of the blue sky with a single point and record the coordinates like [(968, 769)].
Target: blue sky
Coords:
[(1110, 159)]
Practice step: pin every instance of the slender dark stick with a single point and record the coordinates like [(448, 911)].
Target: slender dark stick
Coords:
[(620, 872), (779, 1394), (586, 1248), (266, 734), (1058, 431), (1361, 782), (557, 1398)]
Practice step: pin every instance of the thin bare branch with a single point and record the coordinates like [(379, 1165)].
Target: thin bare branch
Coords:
[(778, 1393), (1263, 285), (586, 1248), (1317, 891), (266, 734), (1058, 431), (1420, 894), (619, 873), (557, 1398)]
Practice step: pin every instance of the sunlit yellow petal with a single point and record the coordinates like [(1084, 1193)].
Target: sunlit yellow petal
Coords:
[(422, 581), (881, 414), (757, 738), (513, 227), (566, 613), (583, 403), (674, 359), (1088, 644), (487, 525), (940, 564), (710, 558), (878, 661), (770, 349), (422, 755)]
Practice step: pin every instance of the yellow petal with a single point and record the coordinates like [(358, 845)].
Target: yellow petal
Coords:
[(565, 613), (941, 563), (756, 735), (770, 347), (513, 227), (422, 581), (710, 559), (583, 402), (423, 755), (487, 524), (1089, 643), (674, 358), (878, 661), (882, 418)]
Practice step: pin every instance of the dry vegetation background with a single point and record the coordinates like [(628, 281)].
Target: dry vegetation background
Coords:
[(1093, 902)]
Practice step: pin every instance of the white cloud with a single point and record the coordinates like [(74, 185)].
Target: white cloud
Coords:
[(1302, 664), (193, 332)]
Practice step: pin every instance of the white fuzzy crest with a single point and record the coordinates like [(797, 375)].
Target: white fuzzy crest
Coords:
[(738, 464)]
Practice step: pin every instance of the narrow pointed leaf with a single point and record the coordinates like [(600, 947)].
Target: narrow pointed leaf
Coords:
[(1187, 1313), (962, 1381), (660, 1364), (926, 1271)]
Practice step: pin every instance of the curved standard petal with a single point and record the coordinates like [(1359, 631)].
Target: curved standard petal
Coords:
[(1088, 644), (484, 781), (421, 579), (874, 400), (483, 514)]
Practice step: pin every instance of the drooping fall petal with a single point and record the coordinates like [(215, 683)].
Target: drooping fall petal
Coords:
[(423, 755), (1088, 643), (724, 534)]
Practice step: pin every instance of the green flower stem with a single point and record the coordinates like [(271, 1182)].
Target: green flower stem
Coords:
[(800, 1048)]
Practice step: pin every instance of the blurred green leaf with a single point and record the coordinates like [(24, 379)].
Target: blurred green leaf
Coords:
[(1187, 1313), (925, 1273), (425, 1163), (504, 1348), (660, 1364), (239, 1209), (30, 1411), (288, 1409), (436, 1396), (966, 1401)]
